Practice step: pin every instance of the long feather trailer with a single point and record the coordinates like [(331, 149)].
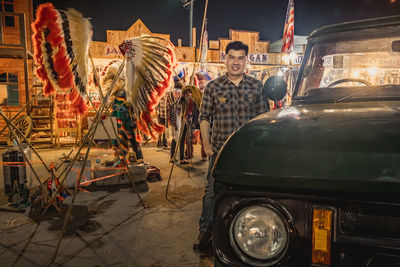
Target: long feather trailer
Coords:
[(149, 65), (61, 42)]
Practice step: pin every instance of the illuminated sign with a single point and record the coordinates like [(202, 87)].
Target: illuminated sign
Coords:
[(112, 50), (253, 58)]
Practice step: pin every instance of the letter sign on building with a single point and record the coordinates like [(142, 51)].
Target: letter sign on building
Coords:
[(112, 50), (258, 58), (253, 58)]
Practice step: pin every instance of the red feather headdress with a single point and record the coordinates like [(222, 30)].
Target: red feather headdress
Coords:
[(61, 42), (149, 65)]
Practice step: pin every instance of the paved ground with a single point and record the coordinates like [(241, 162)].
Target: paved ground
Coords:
[(109, 227)]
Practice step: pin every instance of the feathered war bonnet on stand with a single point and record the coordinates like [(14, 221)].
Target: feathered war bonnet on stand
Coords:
[(149, 65), (61, 42)]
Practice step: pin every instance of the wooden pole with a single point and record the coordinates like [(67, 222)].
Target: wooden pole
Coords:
[(89, 135), (9, 123), (183, 124), (125, 162), (21, 109), (20, 147)]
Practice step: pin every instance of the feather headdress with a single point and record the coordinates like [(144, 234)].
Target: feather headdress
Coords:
[(61, 42), (149, 65), (108, 74), (195, 93)]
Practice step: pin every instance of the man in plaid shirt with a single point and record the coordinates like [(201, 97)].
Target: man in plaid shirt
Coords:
[(228, 101)]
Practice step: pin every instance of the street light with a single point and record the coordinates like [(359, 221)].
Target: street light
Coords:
[(187, 3)]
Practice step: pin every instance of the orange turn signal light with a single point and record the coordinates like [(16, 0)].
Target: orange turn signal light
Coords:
[(321, 236)]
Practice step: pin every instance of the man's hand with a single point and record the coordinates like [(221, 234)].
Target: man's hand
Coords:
[(205, 131), (208, 149)]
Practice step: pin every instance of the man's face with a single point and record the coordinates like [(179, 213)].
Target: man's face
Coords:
[(202, 83), (235, 62)]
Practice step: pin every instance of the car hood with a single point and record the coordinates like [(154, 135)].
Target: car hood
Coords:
[(346, 147)]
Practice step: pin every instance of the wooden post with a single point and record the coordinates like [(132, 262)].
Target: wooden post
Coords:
[(24, 43)]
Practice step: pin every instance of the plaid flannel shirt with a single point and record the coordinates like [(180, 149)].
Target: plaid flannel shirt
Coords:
[(162, 107), (229, 106)]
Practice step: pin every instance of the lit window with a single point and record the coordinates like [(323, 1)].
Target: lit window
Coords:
[(9, 83)]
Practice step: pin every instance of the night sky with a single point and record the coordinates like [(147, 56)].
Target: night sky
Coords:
[(264, 16)]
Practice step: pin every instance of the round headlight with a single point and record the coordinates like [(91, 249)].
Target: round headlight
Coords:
[(259, 232)]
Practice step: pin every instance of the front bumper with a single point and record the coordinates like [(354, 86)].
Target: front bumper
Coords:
[(354, 243)]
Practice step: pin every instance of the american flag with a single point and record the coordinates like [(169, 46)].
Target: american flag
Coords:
[(288, 32)]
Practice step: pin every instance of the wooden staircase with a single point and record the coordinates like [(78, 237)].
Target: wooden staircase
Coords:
[(42, 114)]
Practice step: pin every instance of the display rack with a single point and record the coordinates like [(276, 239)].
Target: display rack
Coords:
[(66, 121)]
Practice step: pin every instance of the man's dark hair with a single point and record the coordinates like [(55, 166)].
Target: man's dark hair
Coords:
[(237, 45), (178, 84)]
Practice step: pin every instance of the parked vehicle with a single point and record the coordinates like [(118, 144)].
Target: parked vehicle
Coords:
[(318, 183)]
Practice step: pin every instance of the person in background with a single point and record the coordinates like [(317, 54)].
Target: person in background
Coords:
[(162, 119), (203, 79), (126, 121), (173, 110), (190, 117), (126, 125), (229, 101), (186, 115)]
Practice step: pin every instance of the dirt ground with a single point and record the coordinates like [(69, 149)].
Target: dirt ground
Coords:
[(109, 225)]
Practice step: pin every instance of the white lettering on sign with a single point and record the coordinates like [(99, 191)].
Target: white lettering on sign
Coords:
[(258, 58), (299, 59), (112, 50), (252, 57)]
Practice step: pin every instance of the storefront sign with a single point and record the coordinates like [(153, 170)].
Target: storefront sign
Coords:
[(299, 59), (253, 58), (112, 50), (258, 58)]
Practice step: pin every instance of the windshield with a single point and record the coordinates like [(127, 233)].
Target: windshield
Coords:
[(344, 67)]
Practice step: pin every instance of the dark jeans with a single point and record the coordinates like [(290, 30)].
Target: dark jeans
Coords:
[(205, 222), (173, 147), (162, 140), (182, 144)]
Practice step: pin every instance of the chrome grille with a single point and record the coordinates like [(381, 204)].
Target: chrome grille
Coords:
[(366, 223)]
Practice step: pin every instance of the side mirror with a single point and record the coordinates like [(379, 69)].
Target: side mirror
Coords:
[(275, 88)]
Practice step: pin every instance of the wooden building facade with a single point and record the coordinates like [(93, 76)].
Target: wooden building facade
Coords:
[(260, 59), (16, 63), (109, 49)]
